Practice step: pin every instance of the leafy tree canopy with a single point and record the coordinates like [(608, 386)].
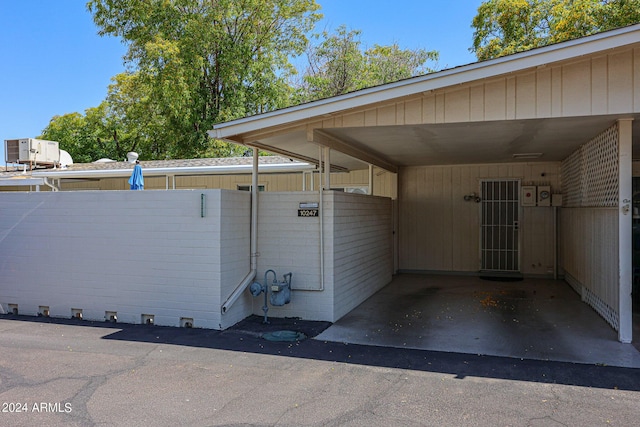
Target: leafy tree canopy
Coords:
[(338, 65), (193, 63), (503, 27), (197, 62)]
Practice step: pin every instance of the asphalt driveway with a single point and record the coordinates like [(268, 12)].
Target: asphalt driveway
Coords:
[(67, 372)]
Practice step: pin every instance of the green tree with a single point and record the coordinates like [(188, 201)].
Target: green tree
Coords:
[(86, 137), (200, 62), (503, 27), (68, 130), (339, 65), (121, 123)]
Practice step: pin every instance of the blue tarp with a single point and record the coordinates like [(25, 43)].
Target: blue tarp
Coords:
[(136, 182)]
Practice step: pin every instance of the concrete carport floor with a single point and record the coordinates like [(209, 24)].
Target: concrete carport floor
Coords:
[(531, 319)]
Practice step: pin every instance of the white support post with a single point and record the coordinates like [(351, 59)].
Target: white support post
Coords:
[(370, 188), (327, 168), (625, 246)]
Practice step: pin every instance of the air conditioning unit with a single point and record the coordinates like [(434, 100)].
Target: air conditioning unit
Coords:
[(32, 151)]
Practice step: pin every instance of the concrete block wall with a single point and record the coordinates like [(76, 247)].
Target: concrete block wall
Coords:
[(289, 243), (138, 253), (235, 261), (357, 251), (130, 252), (362, 249)]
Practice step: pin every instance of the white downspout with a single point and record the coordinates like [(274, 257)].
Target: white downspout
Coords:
[(253, 239), (48, 184), (322, 169)]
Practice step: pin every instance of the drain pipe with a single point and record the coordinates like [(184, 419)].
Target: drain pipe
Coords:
[(321, 206), (48, 184), (248, 279)]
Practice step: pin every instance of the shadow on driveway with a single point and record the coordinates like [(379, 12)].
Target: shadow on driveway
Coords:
[(247, 337)]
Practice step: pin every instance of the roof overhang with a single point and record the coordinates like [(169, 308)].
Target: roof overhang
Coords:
[(42, 177), (174, 171), (21, 181), (290, 131)]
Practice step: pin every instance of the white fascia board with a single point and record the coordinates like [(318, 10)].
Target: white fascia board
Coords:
[(193, 170), (464, 74), (21, 181)]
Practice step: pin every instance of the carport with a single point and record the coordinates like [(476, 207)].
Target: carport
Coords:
[(518, 166), (540, 319)]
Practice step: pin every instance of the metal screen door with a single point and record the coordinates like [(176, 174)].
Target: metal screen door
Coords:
[(499, 225)]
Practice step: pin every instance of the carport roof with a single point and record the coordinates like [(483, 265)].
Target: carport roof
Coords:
[(289, 131)]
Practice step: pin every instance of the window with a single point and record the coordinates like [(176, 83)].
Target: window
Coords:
[(357, 190), (247, 187)]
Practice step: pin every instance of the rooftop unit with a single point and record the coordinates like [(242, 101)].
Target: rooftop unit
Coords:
[(35, 152)]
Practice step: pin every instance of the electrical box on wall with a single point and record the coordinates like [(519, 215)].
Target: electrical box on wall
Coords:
[(529, 195), (544, 195)]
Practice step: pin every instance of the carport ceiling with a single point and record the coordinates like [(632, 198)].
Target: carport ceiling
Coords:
[(458, 143)]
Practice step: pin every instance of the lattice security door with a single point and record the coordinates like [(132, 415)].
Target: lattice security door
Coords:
[(499, 234)]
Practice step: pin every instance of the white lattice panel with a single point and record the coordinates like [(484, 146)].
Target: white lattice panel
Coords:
[(608, 313), (590, 174), (571, 173), (600, 160)]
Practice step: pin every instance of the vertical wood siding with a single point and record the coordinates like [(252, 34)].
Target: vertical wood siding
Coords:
[(605, 84), (439, 230), (384, 183)]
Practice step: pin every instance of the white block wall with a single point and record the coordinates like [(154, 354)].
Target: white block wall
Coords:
[(235, 262), (362, 244), (132, 252), (151, 253), (289, 243), (357, 251)]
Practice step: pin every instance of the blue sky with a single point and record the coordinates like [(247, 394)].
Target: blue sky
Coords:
[(52, 61)]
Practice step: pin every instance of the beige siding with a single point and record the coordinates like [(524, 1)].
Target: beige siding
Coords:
[(606, 84), (439, 230), (384, 183)]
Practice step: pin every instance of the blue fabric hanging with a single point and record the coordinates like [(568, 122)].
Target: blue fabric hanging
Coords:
[(136, 182)]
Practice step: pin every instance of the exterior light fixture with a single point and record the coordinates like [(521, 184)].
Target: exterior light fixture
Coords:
[(527, 155)]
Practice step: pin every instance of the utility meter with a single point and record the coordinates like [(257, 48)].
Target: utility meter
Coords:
[(544, 195)]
